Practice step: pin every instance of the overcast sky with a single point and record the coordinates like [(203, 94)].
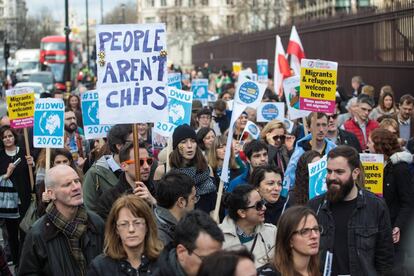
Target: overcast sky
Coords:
[(58, 7)]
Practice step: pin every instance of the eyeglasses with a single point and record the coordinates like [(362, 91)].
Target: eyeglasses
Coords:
[(306, 232), (200, 257), (282, 138), (126, 224), (333, 116), (142, 161), (258, 205)]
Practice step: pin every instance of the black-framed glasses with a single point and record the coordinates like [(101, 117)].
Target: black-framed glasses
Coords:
[(200, 257), (307, 232), (258, 205), (282, 138)]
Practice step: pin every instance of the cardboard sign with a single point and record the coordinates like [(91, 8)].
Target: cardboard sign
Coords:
[(237, 66), (90, 116), (179, 106), (374, 172), (20, 107), (317, 177), (49, 126), (199, 87), (291, 87), (270, 111), (262, 70), (318, 85), (174, 80), (132, 73)]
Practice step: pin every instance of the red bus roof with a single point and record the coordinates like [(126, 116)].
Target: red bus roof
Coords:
[(55, 38)]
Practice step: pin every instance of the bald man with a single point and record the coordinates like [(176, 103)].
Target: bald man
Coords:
[(67, 238)]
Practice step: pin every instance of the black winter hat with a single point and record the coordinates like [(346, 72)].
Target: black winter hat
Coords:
[(183, 132)]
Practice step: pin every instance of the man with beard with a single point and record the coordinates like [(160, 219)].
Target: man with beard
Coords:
[(357, 237), (75, 142), (405, 117)]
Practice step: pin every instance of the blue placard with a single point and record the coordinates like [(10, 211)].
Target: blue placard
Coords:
[(49, 124), (90, 115), (199, 87), (180, 103), (262, 70), (249, 91), (174, 80), (317, 177)]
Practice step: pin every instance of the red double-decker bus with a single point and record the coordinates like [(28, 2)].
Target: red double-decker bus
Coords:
[(53, 58)]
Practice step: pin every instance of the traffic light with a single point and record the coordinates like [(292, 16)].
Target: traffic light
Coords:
[(6, 50)]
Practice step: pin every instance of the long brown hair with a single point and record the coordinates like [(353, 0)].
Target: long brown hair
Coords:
[(381, 101), (385, 142), (220, 141), (139, 208), (283, 259)]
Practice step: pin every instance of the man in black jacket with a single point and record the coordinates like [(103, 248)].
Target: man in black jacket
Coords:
[(357, 236), (67, 238), (127, 183), (176, 195)]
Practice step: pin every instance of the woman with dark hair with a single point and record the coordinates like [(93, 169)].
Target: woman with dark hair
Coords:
[(297, 239), (300, 193), (14, 178), (268, 182), (74, 104), (229, 263), (244, 224), (187, 158), (397, 185), (131, 240), (386, 106), (205, 138)]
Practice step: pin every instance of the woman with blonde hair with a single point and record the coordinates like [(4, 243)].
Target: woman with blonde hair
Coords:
[(297, 250), (131, 240)]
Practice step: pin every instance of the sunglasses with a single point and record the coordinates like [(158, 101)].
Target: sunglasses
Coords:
[(279, 137), (258, 206), (333, 116), (142, 161)]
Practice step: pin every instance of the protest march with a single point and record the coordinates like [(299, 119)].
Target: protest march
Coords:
[(154, 170)]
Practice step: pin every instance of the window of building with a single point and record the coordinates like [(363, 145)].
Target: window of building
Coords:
[(163, 3), (205, 21), (178, 23), (163, 19), (149, 19), (230, 21), (230, 2), (204, 2), (178, 3), (150, 3), (191, 3)]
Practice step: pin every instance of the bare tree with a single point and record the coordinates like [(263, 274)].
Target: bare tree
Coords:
[(122, 13), (258, 15)]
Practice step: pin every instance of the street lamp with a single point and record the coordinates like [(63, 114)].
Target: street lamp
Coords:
[(87, 34), (67, 32), (123, 12)]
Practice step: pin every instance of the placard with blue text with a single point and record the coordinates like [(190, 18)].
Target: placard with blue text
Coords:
[(90, 115)]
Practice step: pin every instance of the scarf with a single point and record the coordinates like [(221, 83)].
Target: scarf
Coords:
[(203, 182), (73, 230)]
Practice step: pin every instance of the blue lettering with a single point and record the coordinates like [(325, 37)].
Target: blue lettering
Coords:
[(145, 92), (128, 35), (137, 91), (160, 91), (123, 67), (115, 37), (137, 36), (146, 68), (125, 97), (108, 99), (134, 67), (145, 48), (104, 37), (157, 37), (109, 70)]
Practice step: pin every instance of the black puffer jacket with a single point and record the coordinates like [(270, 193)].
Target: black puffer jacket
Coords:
[(370, 247), (106, 266), (46, 249)]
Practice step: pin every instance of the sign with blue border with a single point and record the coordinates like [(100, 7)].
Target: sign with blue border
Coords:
[(90, 116)]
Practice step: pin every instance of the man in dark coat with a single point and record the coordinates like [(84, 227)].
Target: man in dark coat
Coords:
[(67, 238)]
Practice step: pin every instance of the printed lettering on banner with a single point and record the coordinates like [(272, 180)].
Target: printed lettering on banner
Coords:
[(317, 177), (262, 70), (249, 93), (90, 116), (373, 165), (199, 87), (174, 80), (318, 85), (291, 87), (20, 107), (270, 111), (132, 73), (49, 123)]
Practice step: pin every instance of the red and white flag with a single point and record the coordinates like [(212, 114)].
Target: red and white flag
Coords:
[(282, 69), (295, 50)]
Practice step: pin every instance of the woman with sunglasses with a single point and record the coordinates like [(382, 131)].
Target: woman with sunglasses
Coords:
[(127, 183), (297, 239), (131, 240), (268, 182), (274, 135), (244, 224), (187, 158)]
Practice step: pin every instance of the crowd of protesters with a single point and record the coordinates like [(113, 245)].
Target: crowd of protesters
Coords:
[(90, 215)]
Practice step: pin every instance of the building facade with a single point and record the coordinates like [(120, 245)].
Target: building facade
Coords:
[(12, 16)]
